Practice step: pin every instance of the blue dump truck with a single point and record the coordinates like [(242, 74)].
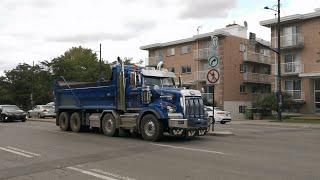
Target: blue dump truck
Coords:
[(138, 100)]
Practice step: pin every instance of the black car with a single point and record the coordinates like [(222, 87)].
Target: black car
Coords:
[(11, 112)]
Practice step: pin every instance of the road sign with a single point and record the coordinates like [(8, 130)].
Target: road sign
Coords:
[(213, 76), (214, 42), (213, 61)]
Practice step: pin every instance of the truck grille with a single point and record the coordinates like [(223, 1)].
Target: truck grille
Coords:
[(194, 107)]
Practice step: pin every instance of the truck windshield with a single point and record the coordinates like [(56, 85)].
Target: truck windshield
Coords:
[(160, 81)]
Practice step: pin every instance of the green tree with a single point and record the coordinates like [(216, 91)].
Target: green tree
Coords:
[(24, 79), (78, 64), (270, 102)]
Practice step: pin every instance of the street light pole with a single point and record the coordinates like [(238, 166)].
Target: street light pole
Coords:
[(278, 51), (100, 63), (279, 96)]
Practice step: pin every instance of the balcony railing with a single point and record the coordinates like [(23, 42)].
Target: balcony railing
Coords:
[(257, 78), (257, 57), (296, 95), (202, 54), (288, 41), (153, 61), (291, 68)]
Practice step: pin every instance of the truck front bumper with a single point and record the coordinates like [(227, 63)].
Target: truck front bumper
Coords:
[(178, 125)]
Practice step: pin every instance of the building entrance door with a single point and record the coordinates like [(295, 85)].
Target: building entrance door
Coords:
[(317, 95)]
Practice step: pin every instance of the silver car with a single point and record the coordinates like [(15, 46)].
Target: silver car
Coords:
[(42, 111)]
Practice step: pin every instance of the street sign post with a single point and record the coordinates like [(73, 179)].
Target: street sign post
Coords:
[(213, 75)]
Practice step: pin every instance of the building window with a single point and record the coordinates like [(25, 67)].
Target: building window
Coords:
[(171, 69), (242, 109), (243, 68), (242, 47), (185, 49), (170, 52), (254, 89), (242, 88), (293, 87), (186, 69)]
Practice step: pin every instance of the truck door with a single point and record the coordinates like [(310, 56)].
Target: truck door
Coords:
[(133, 91)]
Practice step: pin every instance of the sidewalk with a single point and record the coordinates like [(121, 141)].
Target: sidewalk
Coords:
[(268, 123)]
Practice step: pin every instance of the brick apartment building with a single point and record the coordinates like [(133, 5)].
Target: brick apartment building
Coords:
[(300, 59), (245, 68)]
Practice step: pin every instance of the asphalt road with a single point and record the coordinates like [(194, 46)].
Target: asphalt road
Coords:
[(39, 150)]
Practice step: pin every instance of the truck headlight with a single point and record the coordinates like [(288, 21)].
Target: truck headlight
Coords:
[(170, 109)]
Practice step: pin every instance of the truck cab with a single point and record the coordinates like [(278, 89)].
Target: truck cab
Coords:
[(142, 100)]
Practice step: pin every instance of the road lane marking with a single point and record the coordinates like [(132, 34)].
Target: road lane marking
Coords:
[(90, 173), (112, 174), (23, 151), (16, 152), (190, 149)]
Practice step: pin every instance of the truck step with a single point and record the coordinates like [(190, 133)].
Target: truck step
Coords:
[(128, 120)]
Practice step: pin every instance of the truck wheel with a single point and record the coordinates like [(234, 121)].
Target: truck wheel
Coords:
[(75, 122), (108, 126), (64, 121), (151, 128)]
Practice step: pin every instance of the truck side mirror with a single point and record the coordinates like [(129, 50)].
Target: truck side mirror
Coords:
[(180, 82)]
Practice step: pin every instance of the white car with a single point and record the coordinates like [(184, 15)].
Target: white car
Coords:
[(219, 115)]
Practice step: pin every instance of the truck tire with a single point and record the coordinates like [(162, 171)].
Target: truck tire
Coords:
[(75, 122), (64, 121), (151, 128), (108, 125)]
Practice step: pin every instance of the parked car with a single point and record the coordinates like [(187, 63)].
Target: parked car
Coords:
[(50, 104), (11, 112), (219, 115), (42, 111)]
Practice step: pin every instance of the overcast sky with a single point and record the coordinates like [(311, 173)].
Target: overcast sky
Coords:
[(36, 30)]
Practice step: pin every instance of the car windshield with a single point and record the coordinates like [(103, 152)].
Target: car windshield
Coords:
[(10, 108), (160, 81)]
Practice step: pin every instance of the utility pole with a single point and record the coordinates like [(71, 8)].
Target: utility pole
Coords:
[(279, 67), (278, 51), (32, 86), (100, 63)]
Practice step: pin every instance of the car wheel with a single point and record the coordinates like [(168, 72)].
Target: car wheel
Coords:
[(2, 118), (75, 122), (29, 115), (23, 119), (151, 128), (222, 122), (64, 121), (108, 126)]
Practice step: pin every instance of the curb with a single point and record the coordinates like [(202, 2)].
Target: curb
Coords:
[(42, 120), (220, 133), (281, 125)]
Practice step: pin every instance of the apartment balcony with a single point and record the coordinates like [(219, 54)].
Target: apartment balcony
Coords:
[(257, 58), (202, 54), (153, 61), (287, 69), (296, 95), (290, 41), (257, 78)]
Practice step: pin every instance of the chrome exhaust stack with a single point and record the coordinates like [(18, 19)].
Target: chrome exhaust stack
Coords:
[(121, 88)]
